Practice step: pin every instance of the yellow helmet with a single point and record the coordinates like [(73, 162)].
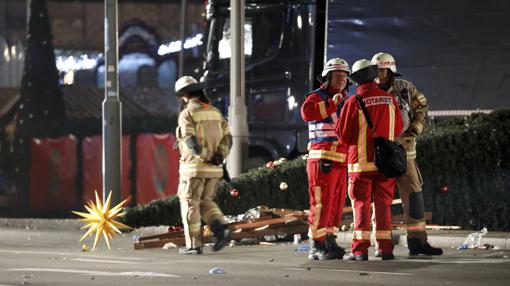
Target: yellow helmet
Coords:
[(385, 61), (336, 64)]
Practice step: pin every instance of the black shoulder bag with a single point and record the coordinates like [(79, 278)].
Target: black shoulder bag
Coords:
[(390, 157)]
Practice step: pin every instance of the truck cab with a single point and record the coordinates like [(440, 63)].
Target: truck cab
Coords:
[(279, 49)]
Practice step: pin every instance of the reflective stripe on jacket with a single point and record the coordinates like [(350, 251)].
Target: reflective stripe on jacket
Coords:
[(321, 113)]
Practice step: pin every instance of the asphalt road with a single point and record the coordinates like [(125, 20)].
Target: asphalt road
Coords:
[(44, 257)]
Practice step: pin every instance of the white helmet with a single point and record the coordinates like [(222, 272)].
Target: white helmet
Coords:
[(363, 71), (186, 84), (385, 61), (336, 64)]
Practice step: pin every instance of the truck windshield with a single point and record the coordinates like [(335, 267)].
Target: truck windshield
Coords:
[(224, 45), (261, 40)]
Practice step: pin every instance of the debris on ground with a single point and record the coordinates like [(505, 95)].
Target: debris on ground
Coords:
[(169, 245), (258, 223), (474, 240), (303, 248), (217, 270)]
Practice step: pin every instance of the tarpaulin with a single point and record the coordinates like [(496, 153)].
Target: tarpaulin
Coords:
[(157, 168), (53, 174), (92, 178)]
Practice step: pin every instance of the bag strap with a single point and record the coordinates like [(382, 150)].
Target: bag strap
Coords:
[(365, 111)]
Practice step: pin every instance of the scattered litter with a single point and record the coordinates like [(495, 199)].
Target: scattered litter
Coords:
[(271, 260), (286, 275), (486, 246), (92, 278), (28, 276), (169, 245), (362, 273), (85, 248), (308, 268), (281, 236), (270, 237), (253, 213), (217, 270), (297, 238), (136, 237), (474, 240), (303, 248)]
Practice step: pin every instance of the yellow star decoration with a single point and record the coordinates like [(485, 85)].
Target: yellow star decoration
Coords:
[(101, 219)]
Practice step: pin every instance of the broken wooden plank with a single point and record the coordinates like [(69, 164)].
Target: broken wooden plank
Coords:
[(165, 235), (288, 230), (179, 241), (258, 228)]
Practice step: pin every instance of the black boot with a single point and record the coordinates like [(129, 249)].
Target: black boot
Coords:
[(318, 251), (222, 234), (387, 256), (333, 247), (416, 248)]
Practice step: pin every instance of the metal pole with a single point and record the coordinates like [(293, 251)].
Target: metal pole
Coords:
[(112, 109), (237, 111), (184, 9), (326, 17)]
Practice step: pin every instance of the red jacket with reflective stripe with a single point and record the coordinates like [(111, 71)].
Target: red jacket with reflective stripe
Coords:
[(353, 129), (316, 109)]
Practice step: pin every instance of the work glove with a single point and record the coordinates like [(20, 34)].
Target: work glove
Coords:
[(217, 159)]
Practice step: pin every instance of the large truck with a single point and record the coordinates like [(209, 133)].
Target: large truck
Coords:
[(456, 52)]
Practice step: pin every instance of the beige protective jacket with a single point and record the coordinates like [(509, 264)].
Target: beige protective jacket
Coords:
[(212, 132), (413, 106)]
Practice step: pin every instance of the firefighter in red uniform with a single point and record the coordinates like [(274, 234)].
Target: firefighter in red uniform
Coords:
[(326, 166), (366, 183)]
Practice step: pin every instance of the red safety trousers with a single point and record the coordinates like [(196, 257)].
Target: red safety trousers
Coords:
[(366, 183), (363, 189), (327, 198)]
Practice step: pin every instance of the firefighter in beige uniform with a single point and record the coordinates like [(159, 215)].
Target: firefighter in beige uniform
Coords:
[(204, 142), (413, 106)]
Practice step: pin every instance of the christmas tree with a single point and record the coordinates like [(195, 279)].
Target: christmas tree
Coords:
[(41, 111), (41, 97)]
